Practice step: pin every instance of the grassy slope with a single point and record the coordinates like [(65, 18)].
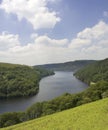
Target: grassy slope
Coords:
[(93, 116)]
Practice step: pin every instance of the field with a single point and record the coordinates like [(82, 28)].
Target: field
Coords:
[(93, 116)]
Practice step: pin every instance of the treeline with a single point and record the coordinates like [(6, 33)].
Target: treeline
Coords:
[(94, 72), (20, 80), (67, 66), (94, 92)]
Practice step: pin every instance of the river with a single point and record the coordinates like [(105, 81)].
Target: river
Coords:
[(49, 88)]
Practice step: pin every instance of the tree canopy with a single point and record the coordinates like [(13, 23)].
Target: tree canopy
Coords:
[(20, 80), (94, 72)]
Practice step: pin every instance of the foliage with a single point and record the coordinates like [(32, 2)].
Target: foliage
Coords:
[(20, 80), (71, 66), (94, 92), (93, 116), (94, 72), (11, 118)]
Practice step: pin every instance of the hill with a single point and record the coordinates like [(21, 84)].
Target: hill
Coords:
[(94, 72), (71, 66), (93, 116), (19, 80)]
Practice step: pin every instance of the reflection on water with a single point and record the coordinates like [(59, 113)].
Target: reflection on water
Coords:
[(50, 87)]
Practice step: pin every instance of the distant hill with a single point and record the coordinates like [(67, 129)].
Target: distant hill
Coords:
[(94, 72), (92, 116), (71, 66), (19, 80)]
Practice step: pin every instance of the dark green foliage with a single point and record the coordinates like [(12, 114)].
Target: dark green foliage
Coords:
[(20, 80), (34, 111), (94, 72), (94, 92), (43, 72), (11, 118)]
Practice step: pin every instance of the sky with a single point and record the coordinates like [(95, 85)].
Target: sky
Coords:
[(34, 32)]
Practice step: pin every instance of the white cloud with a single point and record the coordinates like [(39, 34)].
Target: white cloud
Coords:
[(8, 41), (42, 50), (45, 40), (95, 32), (79, 42), (89, 37), (34, 11), (91, 43)]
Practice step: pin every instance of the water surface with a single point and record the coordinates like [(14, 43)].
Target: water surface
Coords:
[(49, 87)]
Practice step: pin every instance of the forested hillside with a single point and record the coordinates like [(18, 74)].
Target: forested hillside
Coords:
[(71, 66), (20, 80), (94, 72)]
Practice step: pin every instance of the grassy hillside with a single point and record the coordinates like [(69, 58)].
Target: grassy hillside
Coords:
[(19, 80), (93, 116), (94, 72), (72, 65)]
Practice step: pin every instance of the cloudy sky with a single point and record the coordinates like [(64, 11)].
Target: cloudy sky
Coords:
[(50, 31)]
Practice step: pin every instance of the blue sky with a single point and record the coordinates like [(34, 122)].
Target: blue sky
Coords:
[(49, 31)]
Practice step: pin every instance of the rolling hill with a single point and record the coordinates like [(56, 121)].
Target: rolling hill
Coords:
[(94, 72), (92, 116), (71, 66)]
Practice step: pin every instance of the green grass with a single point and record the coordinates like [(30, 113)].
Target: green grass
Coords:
[(93, 116)]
